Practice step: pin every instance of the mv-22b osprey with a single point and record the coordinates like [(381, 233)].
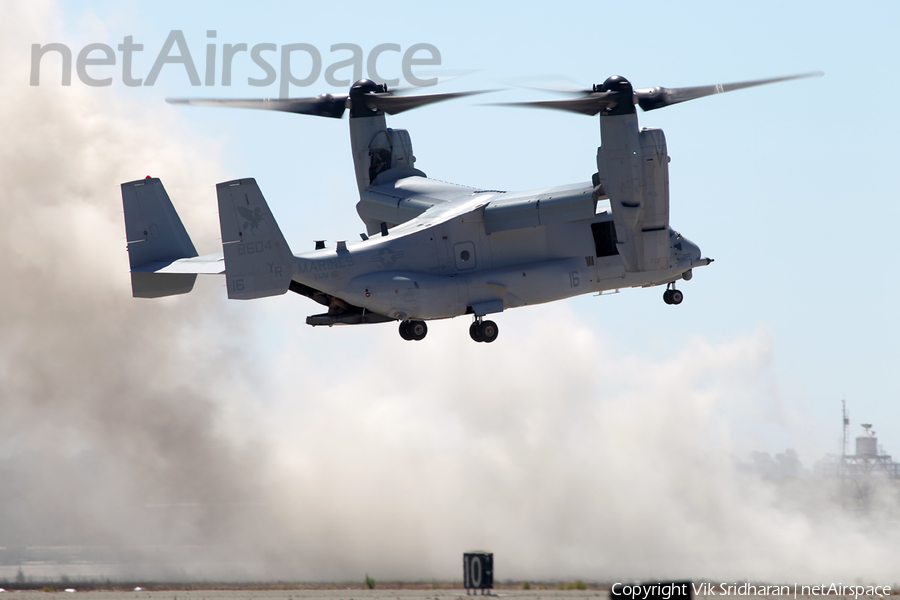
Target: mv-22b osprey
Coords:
[(435, 250)]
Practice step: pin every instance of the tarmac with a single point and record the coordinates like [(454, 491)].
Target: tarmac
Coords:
[(335, 594)]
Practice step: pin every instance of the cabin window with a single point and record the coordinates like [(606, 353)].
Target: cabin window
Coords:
[(465, 255), (604, 238)]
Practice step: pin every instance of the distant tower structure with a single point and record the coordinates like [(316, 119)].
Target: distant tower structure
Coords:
[(867, 445), (868, 460), (866, 471), (846, 426)]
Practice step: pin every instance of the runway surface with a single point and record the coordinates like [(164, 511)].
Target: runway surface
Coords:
[(451, 594)]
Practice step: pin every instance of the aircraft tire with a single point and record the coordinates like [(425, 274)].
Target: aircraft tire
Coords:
[(417, 330), (474, 332), (677, 296), (488, 331), (667, 296), (404, 331)]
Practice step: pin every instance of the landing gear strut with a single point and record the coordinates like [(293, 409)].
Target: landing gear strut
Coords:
[(483, 331), (671, 295), (413, 330)]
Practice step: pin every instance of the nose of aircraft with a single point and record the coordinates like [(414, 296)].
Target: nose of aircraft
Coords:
[(684, 246)]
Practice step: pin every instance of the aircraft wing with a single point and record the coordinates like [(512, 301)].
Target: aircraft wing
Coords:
[(417, 201), (446, 211), (423, 189), (210, 264), (396, 201)]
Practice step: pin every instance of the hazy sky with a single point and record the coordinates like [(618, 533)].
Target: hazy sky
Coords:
[(588, 420)]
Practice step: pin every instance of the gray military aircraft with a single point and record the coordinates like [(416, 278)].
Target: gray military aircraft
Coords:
[(435, 250)]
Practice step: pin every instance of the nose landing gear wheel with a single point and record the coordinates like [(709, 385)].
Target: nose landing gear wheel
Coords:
[(404, 331), (483, 331)]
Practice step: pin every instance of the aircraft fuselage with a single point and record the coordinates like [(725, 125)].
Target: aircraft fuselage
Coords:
[(432, 271)]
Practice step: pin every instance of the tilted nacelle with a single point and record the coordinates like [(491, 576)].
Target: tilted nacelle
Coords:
[(633, 168)]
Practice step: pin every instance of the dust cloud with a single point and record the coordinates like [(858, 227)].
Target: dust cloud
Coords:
[(164, 439), (567, 461), (111, 435)]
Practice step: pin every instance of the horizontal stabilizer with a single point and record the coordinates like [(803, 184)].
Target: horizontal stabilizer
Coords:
[(210, 264), (156, 238), (258, 261), (159, 285)]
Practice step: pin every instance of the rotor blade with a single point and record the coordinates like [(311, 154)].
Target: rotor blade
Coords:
[(394, 104), (555, 84), (326, 105), (658, 97), (588, 105)]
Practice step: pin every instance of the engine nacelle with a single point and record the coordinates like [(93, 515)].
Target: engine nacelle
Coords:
[(633, 167)]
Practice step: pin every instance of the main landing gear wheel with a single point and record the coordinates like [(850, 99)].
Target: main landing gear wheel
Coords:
[(673, 296), (489, 331), (483, 331), (413, 330), (417, 330)]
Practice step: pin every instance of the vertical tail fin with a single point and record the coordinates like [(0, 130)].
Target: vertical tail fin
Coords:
[(258, 261), (155, 235)]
